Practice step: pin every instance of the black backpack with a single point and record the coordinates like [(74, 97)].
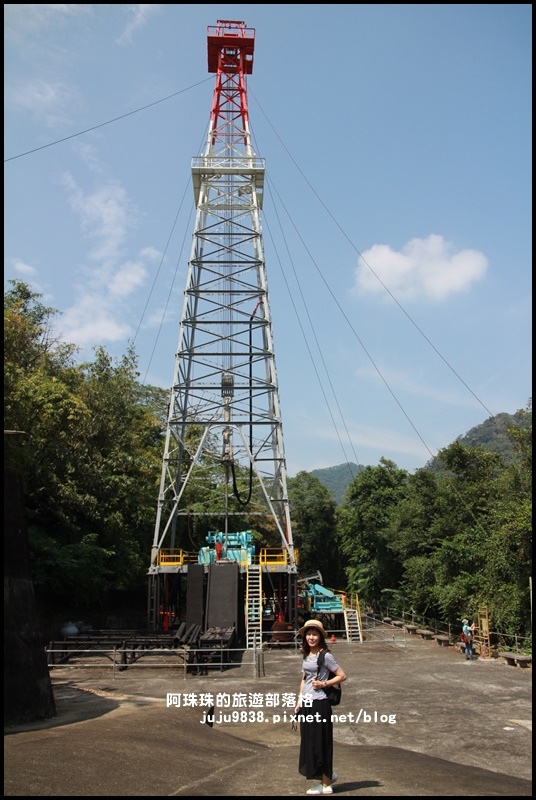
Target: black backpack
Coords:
[(333, 693)]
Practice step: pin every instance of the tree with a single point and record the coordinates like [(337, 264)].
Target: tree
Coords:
[(314, 528), (33, 360), (463, 535), (90, 459), (363, 524)]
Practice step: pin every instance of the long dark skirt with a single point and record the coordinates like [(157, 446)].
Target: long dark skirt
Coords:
[(316, 745)]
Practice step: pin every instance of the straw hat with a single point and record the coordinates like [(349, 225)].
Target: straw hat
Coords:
[(312, 623)]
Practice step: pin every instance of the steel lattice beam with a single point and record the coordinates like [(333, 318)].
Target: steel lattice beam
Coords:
[(224, 411)]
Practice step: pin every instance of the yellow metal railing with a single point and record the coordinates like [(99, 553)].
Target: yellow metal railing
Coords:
[(175, 558), (268, 556), (354, 603), (275, 556)]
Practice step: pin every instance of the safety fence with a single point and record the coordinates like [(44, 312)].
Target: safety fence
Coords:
[(122, 650), (132, 653), (498, 639), (191, 660)]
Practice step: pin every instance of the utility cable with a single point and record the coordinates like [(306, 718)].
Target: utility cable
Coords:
[(307, 342), (109, 122), (354, 247)]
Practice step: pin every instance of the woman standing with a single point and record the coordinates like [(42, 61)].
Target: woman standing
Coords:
[(316, 745)]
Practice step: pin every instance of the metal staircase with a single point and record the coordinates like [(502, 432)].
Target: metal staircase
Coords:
[(352, 621), (253, 607)]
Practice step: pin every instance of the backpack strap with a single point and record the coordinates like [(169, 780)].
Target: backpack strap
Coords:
[(320, 662)]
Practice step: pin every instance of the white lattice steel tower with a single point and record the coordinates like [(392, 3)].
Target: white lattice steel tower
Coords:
[(224, 435)]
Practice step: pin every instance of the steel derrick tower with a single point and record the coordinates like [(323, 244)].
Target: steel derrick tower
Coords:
[(224, 436)]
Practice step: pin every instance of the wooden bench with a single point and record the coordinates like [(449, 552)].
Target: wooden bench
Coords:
[(516, 659), (425, 634), (411, 629), (398, 623), (444, 641)]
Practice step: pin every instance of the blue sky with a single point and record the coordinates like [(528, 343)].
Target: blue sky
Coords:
[(397, 213)]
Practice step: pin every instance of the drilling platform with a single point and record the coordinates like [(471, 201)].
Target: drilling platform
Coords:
[(222, 557)]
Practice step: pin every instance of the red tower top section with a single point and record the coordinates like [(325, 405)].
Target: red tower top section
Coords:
[(230, 47)]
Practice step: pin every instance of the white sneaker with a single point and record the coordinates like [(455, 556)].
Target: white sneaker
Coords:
[(334, 778), (320, 789)]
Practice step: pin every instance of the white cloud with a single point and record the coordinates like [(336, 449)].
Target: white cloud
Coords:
[(101, 312), (151, 253), (400, 381), (127, 279), (386, 440), (93, 320), (24, 269), (161, 315), (89, 155), (35, 17), (105, 214), (140, 14), (360, 441), (424, 269), (48, 102)]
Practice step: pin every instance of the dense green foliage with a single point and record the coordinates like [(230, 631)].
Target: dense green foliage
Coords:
[(446, 543), (362, 521), (88, 441), (314, 529), (88, 448)]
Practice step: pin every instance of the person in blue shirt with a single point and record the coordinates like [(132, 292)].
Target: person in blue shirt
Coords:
[(468, 633), (316, 726)]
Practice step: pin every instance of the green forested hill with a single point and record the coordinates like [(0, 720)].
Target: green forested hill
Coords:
[(336, 479), (491, 435)]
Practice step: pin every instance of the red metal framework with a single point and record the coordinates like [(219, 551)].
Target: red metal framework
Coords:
[(230, 47), (230, 54)]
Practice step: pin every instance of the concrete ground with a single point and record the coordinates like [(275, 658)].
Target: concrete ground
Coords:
[(419, 720)]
